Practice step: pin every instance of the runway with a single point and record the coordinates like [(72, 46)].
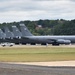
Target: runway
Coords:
[(22, 69)]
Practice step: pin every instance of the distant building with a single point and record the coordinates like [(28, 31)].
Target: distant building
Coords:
[(39, 27)]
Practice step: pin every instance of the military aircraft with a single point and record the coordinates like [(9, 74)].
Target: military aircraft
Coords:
[(8, 38), (4, 38), (27, 37), (12, 37), (24, 36)]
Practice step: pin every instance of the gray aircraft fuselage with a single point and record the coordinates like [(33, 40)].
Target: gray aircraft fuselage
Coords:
[(47, 39), (39, 39)]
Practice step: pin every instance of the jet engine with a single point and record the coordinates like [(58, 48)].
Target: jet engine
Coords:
[(62, 41)]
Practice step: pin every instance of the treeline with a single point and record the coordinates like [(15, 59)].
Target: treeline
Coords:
[(47, 27)]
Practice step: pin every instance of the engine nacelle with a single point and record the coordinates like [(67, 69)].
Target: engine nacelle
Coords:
[(62, 41)]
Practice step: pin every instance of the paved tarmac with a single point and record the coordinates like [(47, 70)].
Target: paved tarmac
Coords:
[(22, 69)]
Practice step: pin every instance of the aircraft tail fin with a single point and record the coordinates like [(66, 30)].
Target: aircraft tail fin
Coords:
[(25, 31), (2, 34), (16, 32), (8, 33)]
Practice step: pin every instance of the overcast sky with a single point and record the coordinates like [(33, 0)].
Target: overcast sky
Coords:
[(20, 10)]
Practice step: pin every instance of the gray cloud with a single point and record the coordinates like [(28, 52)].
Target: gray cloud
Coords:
[(13, 10)]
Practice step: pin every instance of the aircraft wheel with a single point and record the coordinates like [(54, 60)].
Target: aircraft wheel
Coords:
[(55, 44)]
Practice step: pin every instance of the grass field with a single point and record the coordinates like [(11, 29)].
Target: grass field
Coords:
[(33, 53)]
